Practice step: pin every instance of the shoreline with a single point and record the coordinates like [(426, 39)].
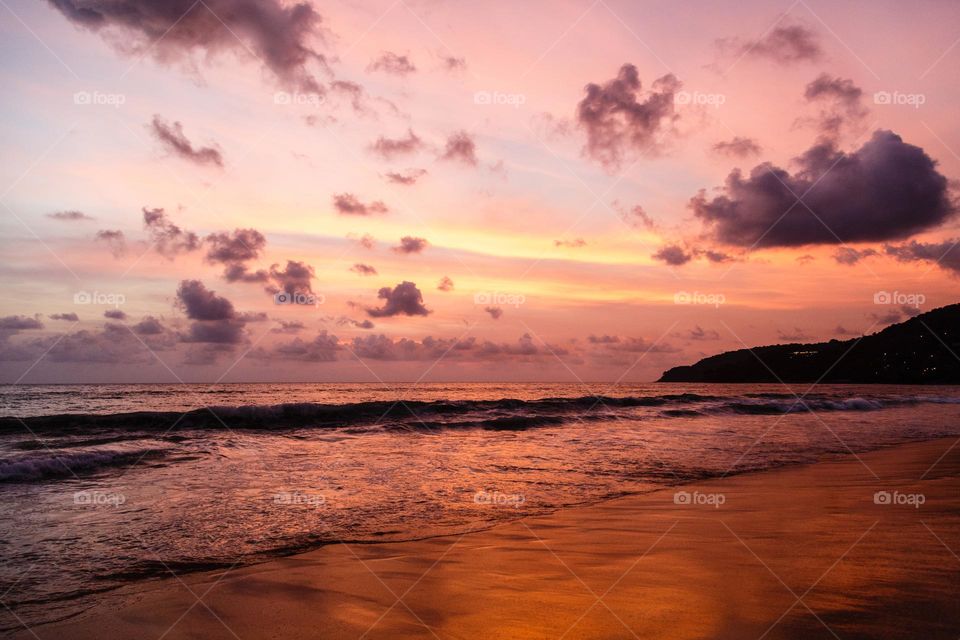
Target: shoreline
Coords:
[(541, 573)]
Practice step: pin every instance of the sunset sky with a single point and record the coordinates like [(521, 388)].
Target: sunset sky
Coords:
[(564, 191)]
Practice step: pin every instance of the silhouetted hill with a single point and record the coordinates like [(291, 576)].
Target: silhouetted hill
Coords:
[(922, 350)]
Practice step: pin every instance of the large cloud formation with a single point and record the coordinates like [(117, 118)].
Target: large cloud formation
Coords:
[(620, 120), (278, 33), (886, 190), (404, 299)]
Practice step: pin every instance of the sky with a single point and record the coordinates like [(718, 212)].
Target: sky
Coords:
[(427, 190)]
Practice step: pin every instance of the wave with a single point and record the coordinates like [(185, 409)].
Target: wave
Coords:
[(503, 414), (59, 465)]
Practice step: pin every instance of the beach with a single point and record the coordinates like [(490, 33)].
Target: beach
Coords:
[(805, 551)]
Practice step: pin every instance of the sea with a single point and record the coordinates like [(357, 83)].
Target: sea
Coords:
[(107, 486)]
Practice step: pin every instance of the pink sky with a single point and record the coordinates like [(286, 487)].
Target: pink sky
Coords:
[(524, 185)]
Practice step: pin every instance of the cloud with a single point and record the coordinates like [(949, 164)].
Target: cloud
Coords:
[(19, 323), (453, 63), (323, 348), (68, 317), (635, 216), (294, 279), (945, 255), (71, 215), (851, 256), (673, 255), (390, 148), (885, 190), (571, 244), (787, 44), (460, 147), (445, 284), (797, 335), (289, 326), (149, 326), (406, 178), (842, 100), (115, 314), (737, 147), (404, 299), (630, 344), (168, 239), (216, 320), (116, 241), (391, 63), (366, 241), (495, 312), (843, 331), (892, 316), (348, 204), (621, 121), (363, 269), (278, 34), (805, 259), (173, 138), (698, 333), (410, 244), (234, 250)]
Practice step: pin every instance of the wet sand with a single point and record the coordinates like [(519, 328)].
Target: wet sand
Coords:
[(802, 552)]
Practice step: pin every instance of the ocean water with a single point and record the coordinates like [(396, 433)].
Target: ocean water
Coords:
[(104, 485)]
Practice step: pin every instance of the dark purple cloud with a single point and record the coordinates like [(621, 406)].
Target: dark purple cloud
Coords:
[(115, 314), (698, 333), (851, 256), (289, 326), (72, 215), (389, 62), (240, 246), (674, 255), (363, 269), (115, 240), (797, 335), (149, 326), (945, 255), (737, 147), (404, 299), (348, 204), (410, 244), (885, 190), (19, 323), (390, 148), (460, 147), (279, 34), (173, 139), (495, 312), (168, 239), (68, 317), (294, 279), (841, 100), (784, 45), (216, 320), (406, 178), (621, 121)]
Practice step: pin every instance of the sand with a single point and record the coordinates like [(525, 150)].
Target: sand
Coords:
[(802, 552)]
